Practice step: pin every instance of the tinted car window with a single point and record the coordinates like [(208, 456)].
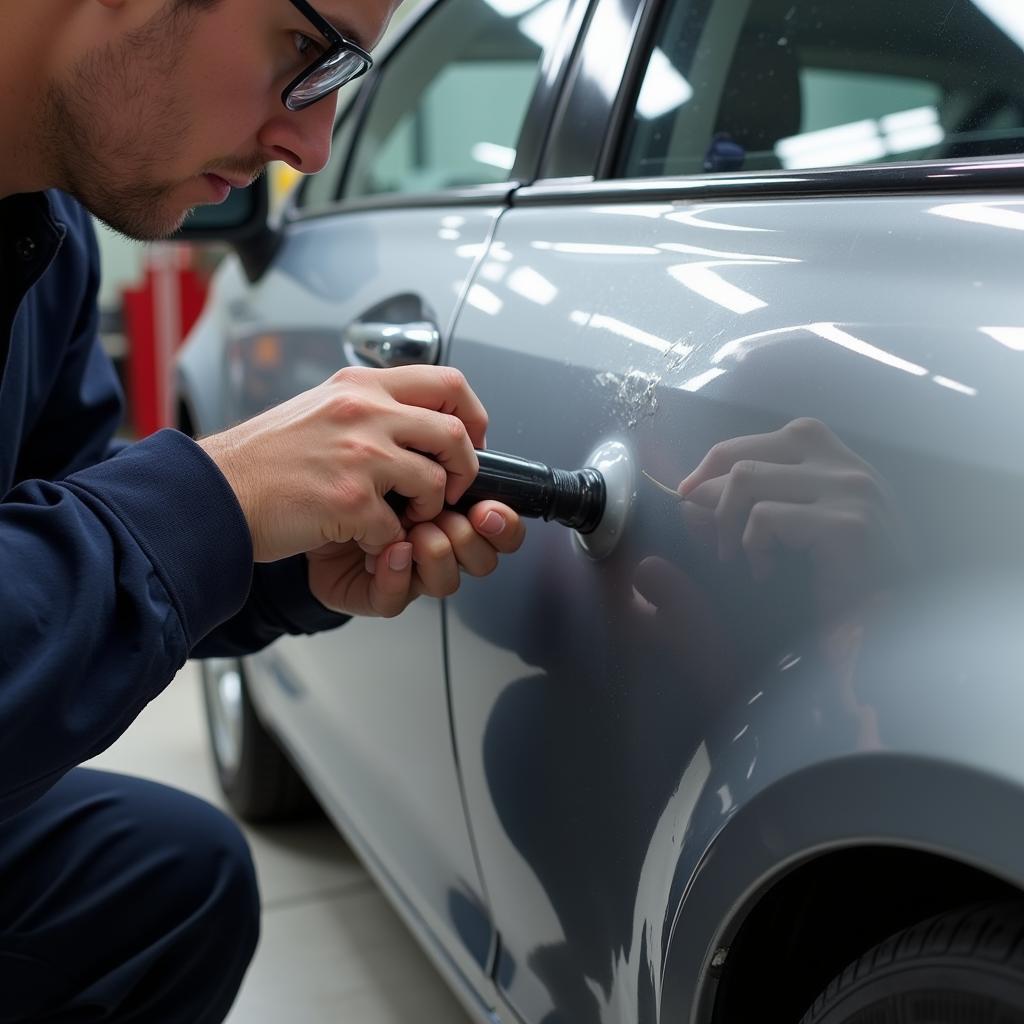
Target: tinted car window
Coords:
[(451, 101), (769, 84)]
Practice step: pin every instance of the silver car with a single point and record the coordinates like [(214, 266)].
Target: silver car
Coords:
[(754, 749)]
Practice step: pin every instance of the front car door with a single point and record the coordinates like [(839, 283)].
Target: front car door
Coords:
[(376, 257), (800, 237)]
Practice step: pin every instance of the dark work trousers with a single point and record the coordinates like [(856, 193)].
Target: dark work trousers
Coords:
[(123, 901)]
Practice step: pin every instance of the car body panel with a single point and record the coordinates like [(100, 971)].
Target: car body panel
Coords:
[(601, 757), (383, 753), (636, 749)]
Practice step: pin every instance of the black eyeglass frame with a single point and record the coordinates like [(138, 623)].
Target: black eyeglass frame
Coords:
[(338, 44)]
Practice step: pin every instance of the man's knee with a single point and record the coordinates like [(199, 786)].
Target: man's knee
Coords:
[(200, 925), (141, 899), (216, 867), (216, 882), (210, 910)]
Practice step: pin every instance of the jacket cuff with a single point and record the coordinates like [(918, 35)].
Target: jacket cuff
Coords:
[(286, 584), (183, 514)]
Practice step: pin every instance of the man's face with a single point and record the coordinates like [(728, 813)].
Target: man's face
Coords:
[(150, 122)]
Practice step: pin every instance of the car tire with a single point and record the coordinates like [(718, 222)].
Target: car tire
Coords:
[(256, 777), (963, 966)]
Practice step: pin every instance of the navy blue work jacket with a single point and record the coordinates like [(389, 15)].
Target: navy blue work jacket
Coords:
[(116, 564)]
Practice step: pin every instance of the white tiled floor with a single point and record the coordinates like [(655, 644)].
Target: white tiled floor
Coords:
[(332, 950)]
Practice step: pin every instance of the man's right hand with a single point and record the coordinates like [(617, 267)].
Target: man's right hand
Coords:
[(314, 470)]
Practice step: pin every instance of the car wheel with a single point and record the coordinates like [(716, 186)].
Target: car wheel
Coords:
[(959, 967), (257, 778)]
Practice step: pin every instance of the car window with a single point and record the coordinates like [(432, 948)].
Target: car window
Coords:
[(750, 85), (322, 189), (451, 101)]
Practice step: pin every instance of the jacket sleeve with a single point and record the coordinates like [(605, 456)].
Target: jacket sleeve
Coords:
[(279, 603), (76, 430), (112, 567), (108, 578)]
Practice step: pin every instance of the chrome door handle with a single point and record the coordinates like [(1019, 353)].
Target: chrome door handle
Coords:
[(383, 344)]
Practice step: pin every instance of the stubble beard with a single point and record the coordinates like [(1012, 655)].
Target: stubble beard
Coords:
[(112, 123)]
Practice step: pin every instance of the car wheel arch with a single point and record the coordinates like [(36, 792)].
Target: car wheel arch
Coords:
[(796, 839)]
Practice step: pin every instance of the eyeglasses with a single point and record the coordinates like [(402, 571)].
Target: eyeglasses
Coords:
[(341, 62)]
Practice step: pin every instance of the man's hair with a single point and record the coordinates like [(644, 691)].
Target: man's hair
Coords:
[(195, 5)]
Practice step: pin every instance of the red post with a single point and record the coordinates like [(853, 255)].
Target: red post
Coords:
[(158, 315)]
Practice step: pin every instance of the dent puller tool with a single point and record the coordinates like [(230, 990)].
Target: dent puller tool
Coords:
[(573, 497)]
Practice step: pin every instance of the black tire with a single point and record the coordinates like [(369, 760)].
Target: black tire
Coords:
[(963, 967), (255, 775)]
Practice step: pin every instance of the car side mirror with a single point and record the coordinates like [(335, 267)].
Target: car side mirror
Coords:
[(242, 221)]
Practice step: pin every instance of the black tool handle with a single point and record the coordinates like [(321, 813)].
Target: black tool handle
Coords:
[(572, 497), (528, 487)]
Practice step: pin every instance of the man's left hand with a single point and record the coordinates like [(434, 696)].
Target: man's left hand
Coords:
[(428, 561)]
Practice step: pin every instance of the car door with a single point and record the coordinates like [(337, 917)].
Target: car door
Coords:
[(781, 218), (371, 267)]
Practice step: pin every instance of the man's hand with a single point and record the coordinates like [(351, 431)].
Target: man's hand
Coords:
[(314, 470), (346, 579)]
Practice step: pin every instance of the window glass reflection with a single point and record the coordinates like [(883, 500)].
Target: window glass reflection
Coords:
[(810, 83), (479, 58)]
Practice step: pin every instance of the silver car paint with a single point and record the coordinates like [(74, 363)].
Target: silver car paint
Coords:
[(615, 803), (655, 811), (600, 773)]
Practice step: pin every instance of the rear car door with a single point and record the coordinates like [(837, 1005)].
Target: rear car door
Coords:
[(804, 221), (373, 263)]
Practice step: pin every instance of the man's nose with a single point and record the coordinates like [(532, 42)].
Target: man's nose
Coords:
[(301, 138)]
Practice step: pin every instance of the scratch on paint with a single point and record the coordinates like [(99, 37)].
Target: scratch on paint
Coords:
[(636, 394)]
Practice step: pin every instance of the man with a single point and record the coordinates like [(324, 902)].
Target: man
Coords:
[(121, 900)]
